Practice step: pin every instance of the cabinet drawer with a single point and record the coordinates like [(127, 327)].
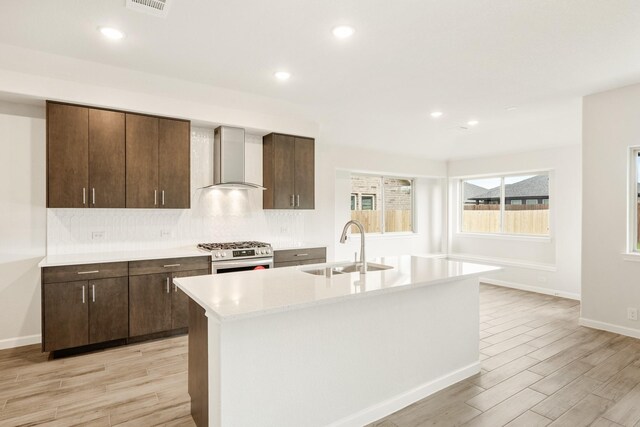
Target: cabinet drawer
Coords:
[(70, 273), (296, 263), (301, 254), (169, 265)]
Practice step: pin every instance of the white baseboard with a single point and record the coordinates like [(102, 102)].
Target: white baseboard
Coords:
[(536, 289), (610, 327), (20, 341), (382, 409)]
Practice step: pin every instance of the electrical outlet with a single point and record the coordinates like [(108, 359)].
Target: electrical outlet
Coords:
[(632, 313), (542, 278), (97, 235), (165, 234)]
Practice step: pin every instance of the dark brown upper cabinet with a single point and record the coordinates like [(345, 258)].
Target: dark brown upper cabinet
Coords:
[(67, 156), (110, 159), (142, 161), (85, 157), (288, 172), (174, 163), (106, 159), (158, 162)]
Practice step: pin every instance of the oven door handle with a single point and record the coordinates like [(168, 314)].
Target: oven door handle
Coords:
[(219, 265)]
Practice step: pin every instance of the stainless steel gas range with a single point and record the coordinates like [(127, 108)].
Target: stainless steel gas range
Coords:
[(238, 256)]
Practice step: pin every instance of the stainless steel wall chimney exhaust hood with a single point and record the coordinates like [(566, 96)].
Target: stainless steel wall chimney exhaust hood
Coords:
[(228, 160)]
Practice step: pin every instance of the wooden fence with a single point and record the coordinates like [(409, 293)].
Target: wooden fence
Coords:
[(518, 219), (394, 220)]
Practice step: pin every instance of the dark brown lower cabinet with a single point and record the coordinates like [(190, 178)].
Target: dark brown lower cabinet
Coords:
[(66, 315), (149, 303), (180, 300), (301, 256), (115, 301), (108, 309), (85, 312)]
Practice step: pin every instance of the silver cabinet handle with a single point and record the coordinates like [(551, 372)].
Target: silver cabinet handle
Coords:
[(298, 200), (162, 197), (302, 254), (171, 265), (167, 284), (155, 197), (83, 294), (175, 288), (84, 196), (89, 272), (293, 202), (93, 293), (93, 196)]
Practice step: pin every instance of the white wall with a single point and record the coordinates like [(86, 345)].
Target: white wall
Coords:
[(333, 190), (610, 283), (22, 222), (543, 265)]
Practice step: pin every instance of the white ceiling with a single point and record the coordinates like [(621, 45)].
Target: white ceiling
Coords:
[(468, 58)]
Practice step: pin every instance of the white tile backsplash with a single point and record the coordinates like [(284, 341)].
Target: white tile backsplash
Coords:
[(215, 215)]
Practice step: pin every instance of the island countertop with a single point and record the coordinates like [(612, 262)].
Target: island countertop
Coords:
[(241, 295)]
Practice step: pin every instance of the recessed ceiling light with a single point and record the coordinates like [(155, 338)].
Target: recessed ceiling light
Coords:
[(436, 114), (472, 122), (282, 75), (343, 31), (111, 33), (511, 108)]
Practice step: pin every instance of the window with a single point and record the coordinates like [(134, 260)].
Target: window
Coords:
[(512, 204), (368, 202), (635, 201), (382, 204)]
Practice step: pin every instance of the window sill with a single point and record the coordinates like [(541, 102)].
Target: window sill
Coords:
[(516, 237), (631, 256), (376, 236)]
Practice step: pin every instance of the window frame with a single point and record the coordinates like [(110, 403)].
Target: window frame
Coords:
[(632, 220), (380, 201), (502, 233), (373, 201)]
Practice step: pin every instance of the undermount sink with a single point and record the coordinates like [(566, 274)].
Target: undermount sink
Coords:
[(348, 268)]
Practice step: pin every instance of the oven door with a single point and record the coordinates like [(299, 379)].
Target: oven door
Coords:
[(218, 267)]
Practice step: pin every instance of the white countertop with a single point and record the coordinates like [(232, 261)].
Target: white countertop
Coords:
[(233, 296), (99, 257)]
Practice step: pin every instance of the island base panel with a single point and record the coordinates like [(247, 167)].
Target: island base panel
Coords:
[(198, 364), (344, 363)]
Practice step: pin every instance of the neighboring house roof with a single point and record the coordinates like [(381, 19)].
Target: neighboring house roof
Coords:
[(472, 190), (536, 186)]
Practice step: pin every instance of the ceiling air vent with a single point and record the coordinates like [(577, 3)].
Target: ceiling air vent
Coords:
[(150, 7)]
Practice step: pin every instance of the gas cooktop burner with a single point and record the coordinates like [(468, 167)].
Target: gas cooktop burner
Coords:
[(235, 250), (232, 245)]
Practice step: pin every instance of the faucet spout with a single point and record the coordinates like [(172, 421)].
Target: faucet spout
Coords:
[(343, 239)]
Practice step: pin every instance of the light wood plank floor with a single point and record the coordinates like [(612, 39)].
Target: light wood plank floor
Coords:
[(539, 368)]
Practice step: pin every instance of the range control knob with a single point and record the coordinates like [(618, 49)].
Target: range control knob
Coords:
[(224, 254), (217, 255)]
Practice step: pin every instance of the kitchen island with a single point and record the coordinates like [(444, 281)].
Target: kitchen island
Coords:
[(283, 347)]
